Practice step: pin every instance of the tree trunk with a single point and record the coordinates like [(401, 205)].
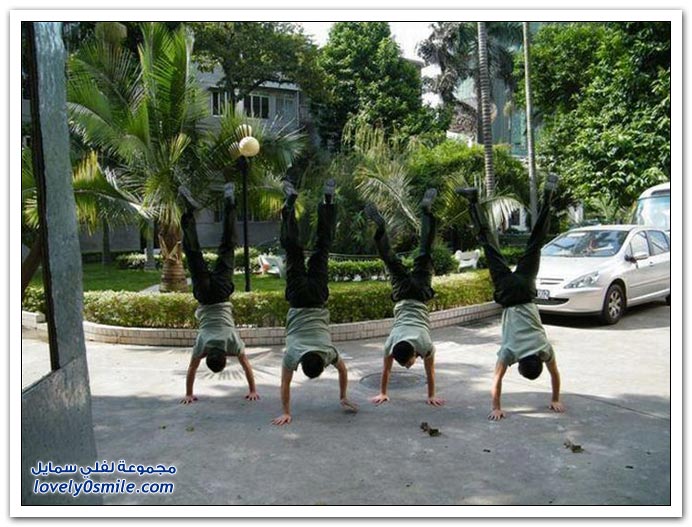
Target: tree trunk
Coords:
[(30, 264), (106, 257), (173, 272), (533, 197), (150, 264), (485, 108)]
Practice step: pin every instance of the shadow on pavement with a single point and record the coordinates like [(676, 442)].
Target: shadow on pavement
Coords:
[(227, 452)]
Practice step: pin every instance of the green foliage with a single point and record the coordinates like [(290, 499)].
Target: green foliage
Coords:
[(251, 53), (443, 259), (511, 254), (367, 301), (347, 270), (367, 77), (603, 92), (137, 260), (453, 47), (34, 300)]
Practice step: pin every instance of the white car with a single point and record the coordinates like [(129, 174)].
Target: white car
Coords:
[(602, 270)]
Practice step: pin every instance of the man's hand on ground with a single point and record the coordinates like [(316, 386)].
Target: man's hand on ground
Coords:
[(252, 396), (557, 406), (349, 406), (188, 399), (379, 399), (496, 415), (282, 420), (436, 401)]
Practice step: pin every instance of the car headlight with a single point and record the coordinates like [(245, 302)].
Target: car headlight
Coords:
[(583, 281)]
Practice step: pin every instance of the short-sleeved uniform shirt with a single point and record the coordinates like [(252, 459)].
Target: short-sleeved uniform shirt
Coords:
[(307, 329), (412, 324), (217, 330), (523, 335)]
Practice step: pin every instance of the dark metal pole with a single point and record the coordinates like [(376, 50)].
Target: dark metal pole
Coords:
[(246, 247)]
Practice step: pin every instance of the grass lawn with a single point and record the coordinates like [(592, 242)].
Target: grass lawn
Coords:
[(97, 277)]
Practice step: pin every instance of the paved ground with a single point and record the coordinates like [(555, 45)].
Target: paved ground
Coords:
[(615, 385)]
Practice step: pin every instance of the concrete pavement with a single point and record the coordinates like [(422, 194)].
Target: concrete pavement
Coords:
[(616, 382)]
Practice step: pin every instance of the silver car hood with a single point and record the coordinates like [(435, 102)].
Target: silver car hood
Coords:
[(556, 269)]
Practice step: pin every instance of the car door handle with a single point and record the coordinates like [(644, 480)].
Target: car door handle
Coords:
[(650, 264)]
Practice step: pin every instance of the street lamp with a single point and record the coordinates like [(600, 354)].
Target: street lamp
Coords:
[(249, 147)]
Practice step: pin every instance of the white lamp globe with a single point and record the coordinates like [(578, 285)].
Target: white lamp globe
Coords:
[(249, 147)]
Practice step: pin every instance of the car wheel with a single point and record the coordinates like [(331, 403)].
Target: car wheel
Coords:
[(613, 305), (668, 300)]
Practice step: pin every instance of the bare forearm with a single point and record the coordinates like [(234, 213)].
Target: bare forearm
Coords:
[(430, 375), (190, 380), (555, 383), (496, 394), (343, 382), (386, 370), (249, 375)]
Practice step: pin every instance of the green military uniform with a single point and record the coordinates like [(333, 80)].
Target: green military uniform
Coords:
[(217, 330), (412, 324), (307, 329), (523, 335)]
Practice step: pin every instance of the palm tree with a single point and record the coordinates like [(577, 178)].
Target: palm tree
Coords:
[(529, 126), (484, 75), (97, 197), (145, 118), (453, 46), (381, 176)]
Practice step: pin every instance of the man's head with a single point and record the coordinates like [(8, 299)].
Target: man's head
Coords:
[(216, 359), (531, 367), (404, 353), (312, 364)]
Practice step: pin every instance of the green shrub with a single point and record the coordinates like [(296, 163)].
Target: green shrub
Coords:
[(368, 301), (443, 259), (511, 254), (347, 270), (34, 300), (143, 310), (137, 260)]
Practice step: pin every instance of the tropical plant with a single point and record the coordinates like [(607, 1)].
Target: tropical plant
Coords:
[(98, 198), (145, 117), (602, 91), (486, 121), (453, 47), (533, 207), (394, 176)]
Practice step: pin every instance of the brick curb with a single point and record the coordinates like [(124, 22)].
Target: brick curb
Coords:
[(273, 336)]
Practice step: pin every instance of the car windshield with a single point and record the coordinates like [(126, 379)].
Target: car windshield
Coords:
[(654, 211), (586, 244)]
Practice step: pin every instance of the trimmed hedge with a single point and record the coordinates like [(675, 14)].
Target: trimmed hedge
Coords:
[(370, 301), (347, 270), (511, 254), (137, 260)]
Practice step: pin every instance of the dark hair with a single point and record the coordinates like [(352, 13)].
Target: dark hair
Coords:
[(312, 364), (402, 352), (216, 359), (531, 367)]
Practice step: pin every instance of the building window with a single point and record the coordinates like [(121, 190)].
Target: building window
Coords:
[(219, 100), (286, 108), (257, 106)]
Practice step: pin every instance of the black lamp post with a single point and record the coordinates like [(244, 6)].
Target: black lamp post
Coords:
[(249, 147)]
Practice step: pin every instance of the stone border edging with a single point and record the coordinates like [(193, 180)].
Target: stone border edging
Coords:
[(273, 336)]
